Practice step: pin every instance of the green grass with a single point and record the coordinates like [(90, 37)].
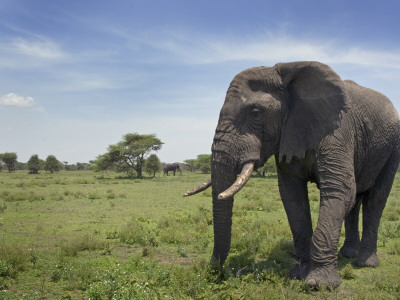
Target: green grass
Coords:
[(81, 235)]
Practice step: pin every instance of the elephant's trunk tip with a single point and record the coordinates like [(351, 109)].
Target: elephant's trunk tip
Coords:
[(239, 183), (200, 188)]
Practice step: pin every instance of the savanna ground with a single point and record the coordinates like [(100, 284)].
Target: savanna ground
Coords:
[(81, 235)]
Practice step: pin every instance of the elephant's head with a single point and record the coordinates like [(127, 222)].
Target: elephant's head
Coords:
[(284, 110)]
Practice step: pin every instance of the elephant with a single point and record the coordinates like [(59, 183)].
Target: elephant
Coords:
[(337, 134), (172, 167)]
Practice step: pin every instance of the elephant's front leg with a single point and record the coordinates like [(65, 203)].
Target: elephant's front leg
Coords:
[(336, 198), (295, 200)]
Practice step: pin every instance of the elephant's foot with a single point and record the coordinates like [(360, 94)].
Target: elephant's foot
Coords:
[(367, 258), (300, 270), (327, 276), (350, 250)]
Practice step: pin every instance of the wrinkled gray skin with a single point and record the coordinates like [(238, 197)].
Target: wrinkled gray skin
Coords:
[(341, 136), (172, 167)]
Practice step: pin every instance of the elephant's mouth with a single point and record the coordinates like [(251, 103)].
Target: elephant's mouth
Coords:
[(233, 189)]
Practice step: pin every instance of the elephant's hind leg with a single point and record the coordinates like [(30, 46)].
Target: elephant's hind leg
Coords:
[(373, 204), (351, 246)]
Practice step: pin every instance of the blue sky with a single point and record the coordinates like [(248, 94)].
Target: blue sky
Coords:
[(75, 76)]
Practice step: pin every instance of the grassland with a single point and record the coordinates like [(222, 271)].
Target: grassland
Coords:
[(81, 235)]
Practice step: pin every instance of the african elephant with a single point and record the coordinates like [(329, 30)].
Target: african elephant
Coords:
[(172, 167), (342, 136)]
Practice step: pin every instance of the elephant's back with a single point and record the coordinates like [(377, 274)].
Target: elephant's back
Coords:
[(370, 103), (376, 131)]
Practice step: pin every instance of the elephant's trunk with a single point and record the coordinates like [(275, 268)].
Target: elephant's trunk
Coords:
[(225, 185), (222, 176)]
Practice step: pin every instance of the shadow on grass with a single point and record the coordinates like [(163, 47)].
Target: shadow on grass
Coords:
[(276, 267), (345, 261)]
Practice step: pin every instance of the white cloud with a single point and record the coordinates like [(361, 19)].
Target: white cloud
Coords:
[(12, 99)]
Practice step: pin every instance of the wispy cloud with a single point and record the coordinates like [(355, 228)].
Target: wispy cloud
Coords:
[(265, 48), (15, 100), (42, 49), (286, 49), (19, 53)]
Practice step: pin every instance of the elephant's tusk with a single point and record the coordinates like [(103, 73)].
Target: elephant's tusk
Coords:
[(239, 183), (200, 188)]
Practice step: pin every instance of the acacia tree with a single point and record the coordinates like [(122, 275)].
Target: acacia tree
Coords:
[(153, 164), (130, 153), (52, 164), (268, 167), (190, 164), (34, 164), (10, 160), (204, 163)]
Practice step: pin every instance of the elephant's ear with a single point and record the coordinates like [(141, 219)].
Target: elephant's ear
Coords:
[(316, 100)]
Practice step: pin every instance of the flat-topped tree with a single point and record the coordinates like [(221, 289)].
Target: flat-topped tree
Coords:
[(130, 153)]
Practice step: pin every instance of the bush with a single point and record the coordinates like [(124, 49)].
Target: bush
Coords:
[(394, 247), (185, 228), (81, 243), (5, 268), (138, 232), (3, 207), (13, 259)]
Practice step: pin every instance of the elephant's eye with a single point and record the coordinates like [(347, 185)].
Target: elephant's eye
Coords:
[(256, 113)]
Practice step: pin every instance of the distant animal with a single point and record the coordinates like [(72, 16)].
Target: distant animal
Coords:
[(172, 167), (338, 134)]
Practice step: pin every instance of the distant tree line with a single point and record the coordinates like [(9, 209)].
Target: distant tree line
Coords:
[(130, 155), (35, 164)]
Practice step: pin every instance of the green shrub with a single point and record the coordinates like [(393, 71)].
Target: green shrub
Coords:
[(94, 195), (185, 228), (21, 195), (394, 247), (138, 232), (110, 194), (5, 268), (3, 207), (392, 215), (390, 230), (14, 258), (347, 272), (76, 275), (81, 243), (4, 194)]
